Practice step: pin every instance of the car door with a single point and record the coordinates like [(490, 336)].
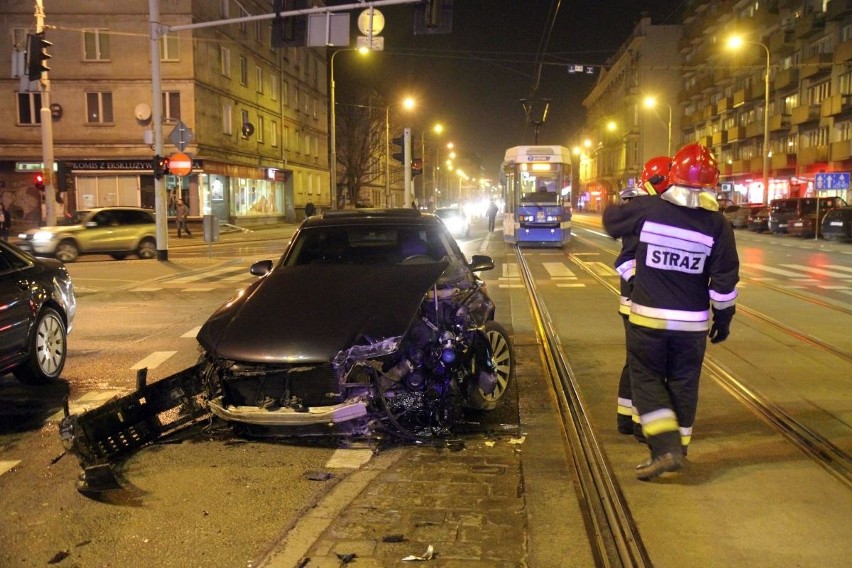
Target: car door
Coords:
[(100, 232), (15, 312)]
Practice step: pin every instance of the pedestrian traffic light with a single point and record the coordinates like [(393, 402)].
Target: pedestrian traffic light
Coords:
[(39, 181), (416, 166), (398, 156), (160, 165), (291, 31), (37, 56)]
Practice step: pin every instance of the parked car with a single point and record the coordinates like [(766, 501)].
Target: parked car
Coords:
[(738, 214), (116, 231), (781, 211), (758, 220), (455, 219), (837, 224), (37, 307)]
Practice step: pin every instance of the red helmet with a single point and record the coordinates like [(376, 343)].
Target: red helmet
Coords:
[(694, 166), (656, 172)]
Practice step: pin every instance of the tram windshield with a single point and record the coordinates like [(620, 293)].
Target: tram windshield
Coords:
[(539, 187)]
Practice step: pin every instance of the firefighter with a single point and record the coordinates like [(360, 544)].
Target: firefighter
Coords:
[(686, 268), (653, 181)]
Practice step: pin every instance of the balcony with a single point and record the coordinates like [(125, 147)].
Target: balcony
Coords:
[(834, 105), (740, 166), (723, 104), (754, 129), (705, 141), (786, 78), (809, 25), (781, 43), (742, 96), (804, 113), (816, 65), (720, 137), (782, 161), (838, 9), (736, 133), (706, 113), (779, 122), (843, 52), (813, 155), (840, 151)]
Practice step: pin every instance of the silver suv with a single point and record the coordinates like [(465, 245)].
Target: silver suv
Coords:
[(116, 231)]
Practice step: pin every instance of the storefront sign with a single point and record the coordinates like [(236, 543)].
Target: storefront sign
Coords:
[(120, 165)]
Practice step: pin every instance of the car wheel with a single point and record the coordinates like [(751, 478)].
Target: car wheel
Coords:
[(67, 251), (47, 349), (503, 360), (147, 249)]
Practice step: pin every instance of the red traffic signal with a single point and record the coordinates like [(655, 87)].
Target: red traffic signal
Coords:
[(416, 166), (39, 181)]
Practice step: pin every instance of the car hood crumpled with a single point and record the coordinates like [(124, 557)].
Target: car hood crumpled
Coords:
[(310, 313)]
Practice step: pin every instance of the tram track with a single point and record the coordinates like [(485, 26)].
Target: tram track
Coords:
[(610, 525), (815, 446)]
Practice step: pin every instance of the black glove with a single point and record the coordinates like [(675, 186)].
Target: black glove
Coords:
[(721, 328)]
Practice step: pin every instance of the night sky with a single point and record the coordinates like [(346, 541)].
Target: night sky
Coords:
[(472, 80)]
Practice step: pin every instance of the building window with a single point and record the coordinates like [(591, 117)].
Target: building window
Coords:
[(285, 93), (273, 134), (243, 71), (99, 108), (259, 130), (227, 119), (285, 138), (243, 14), (258, 77), (225, 61), (19, 39), (169, 47), (273, 87), (171, 105), (29, 108), (244, 119), (96, 45)]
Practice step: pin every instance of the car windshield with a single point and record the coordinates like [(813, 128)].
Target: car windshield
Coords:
[(377, 245)]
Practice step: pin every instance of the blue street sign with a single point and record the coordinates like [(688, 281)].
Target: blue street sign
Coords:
[(834, 180)]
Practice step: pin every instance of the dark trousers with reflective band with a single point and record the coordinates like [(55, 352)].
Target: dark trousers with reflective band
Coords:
[(664, 370), (625, 393)]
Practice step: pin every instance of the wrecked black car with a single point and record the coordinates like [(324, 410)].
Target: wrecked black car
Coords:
[(373, 324)]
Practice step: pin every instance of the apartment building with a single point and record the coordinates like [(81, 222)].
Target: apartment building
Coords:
[(720, 100), (258, 115)]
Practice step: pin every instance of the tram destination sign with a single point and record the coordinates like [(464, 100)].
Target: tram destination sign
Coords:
[(833, 180)]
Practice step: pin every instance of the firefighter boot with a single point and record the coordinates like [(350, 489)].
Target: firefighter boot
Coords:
[(657, 466)]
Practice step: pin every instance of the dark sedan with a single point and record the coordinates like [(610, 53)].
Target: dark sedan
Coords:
[(837, 224), (738, 215), (37, 307), (758, 220)]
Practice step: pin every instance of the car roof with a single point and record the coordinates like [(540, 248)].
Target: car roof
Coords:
[(349, 217)]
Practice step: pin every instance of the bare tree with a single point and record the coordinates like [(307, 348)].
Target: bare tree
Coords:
[(360, 145)]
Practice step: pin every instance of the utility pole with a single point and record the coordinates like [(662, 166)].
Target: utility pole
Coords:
[(160, 203), (46, 132)]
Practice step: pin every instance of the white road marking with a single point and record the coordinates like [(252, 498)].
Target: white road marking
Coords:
[(511, 286), (88, 401), (575, 285), (765, 268), (154, 360), (192, 333), (147, 289), (819, 271), (349, 459), (7, 465), (558, 270), (208, 289), (205, 274)]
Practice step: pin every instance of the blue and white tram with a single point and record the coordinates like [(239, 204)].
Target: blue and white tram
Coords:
[(538, 195)]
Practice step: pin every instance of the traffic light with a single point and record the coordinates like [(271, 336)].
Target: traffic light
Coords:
[(293, 30), (160, 166), (37, 56), (39, 181), (416, 166), (398, 156), (433, 17)]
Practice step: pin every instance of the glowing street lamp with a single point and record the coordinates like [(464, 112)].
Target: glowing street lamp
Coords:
[(735, 42), (651, 102)]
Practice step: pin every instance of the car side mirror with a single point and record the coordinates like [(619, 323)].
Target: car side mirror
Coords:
[(261, 268), (479, 262)]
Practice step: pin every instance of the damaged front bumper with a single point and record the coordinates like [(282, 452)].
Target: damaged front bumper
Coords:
[(336, 414)]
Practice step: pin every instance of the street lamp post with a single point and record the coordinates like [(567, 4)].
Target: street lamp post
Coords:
[(735, 42), (407, 103), (651, 102), (333, 128)]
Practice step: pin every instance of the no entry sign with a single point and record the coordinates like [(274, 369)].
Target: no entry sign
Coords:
[(180, 164)]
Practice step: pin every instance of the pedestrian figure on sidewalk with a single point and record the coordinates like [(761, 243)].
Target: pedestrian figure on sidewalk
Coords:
[(5, 222), (492, 215), (310, 209), (181, 212)]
